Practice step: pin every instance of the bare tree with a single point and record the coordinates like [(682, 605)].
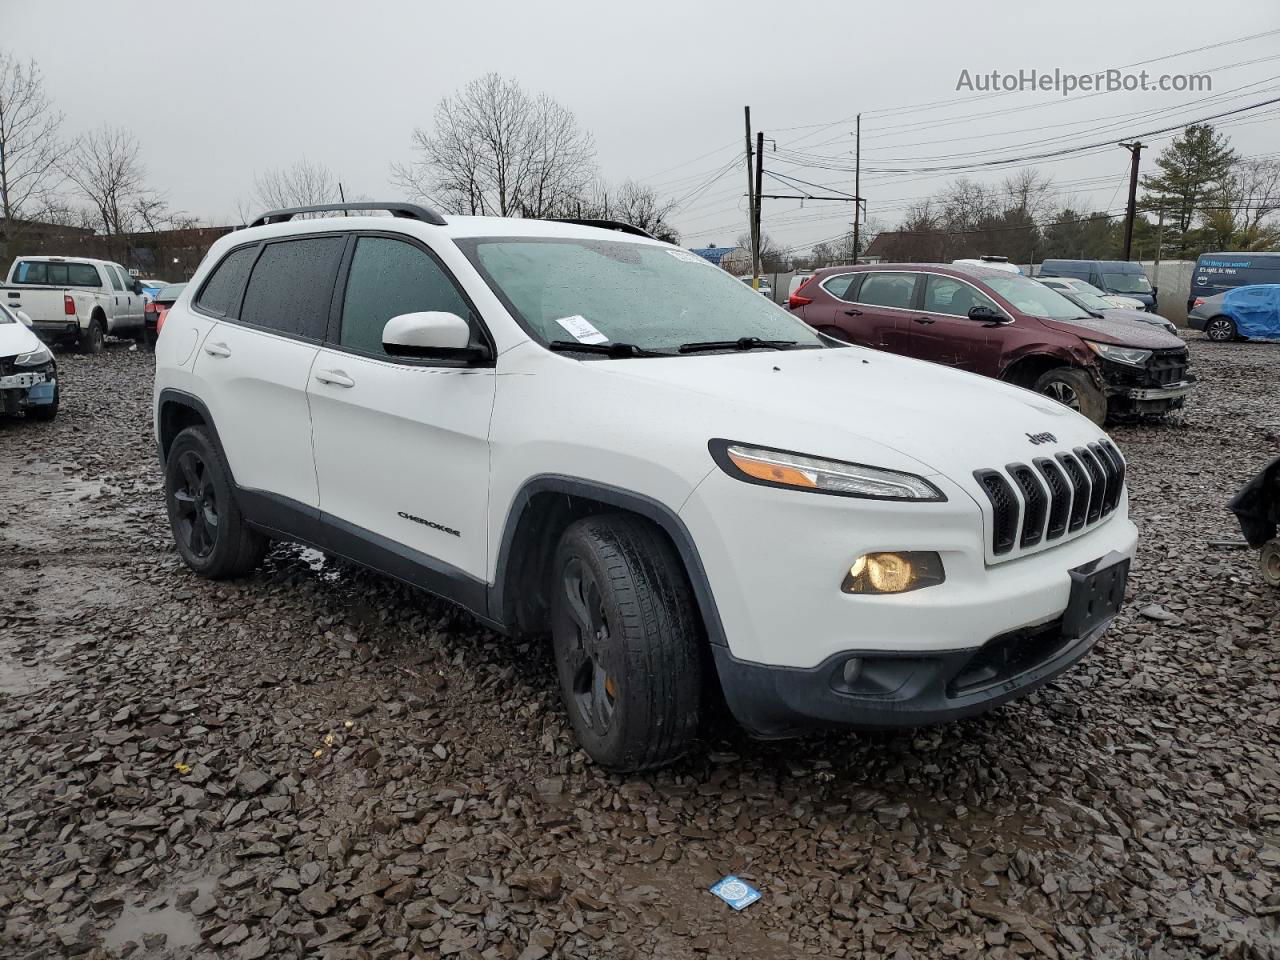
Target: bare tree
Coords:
[(495, 150), (632, 203), (107, 172), (1254, 191), (30, 144), (1030, 191), (304, 184)]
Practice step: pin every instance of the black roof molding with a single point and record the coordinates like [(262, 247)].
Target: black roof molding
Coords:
[(410, 211)]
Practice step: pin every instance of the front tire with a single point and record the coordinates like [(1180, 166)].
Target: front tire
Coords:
[(1221, 329), (208, 529), (627, 641), (1075, 389)]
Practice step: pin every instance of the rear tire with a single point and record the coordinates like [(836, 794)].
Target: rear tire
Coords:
[(628, 642), (208, 529), (1269, 563), (94, 339), (1074, 388), (1221, 329)]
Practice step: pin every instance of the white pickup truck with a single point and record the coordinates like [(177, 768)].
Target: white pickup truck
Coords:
[(74, 300)]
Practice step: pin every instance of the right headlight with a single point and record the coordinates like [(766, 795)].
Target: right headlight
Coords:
[(1132, 356), (780, 468)]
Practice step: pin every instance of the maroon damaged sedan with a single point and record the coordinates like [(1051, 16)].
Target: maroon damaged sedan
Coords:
[(1001, 325)]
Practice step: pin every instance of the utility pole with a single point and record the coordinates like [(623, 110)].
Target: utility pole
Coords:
[(1155, 269), (757, 264), (1134, 148), (751, 193), (857, 187)]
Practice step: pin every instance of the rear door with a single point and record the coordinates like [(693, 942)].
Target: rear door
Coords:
[(832, 303), (944, 330), (401, 445), (255, 363), (131, 303)]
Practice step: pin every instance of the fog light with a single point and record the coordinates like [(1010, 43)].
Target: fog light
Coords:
[(894, 572)]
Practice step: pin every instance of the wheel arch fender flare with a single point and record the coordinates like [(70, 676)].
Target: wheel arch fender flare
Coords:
[(172, 400), (653, 510)]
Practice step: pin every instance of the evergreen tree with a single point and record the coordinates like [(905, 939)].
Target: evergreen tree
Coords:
[(1193, 170)]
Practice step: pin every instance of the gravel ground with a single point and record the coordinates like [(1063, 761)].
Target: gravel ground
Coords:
[(317, 761)]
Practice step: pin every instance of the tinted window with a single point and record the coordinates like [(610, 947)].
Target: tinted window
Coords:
[(955, 297), (292, 285), (888, 289), (838, 286), (32, 271), (221, 293), (113, 274), (389, 277)]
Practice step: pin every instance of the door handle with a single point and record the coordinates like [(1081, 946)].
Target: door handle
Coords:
[(853, 313), (335, 377), (217, 350), (925, 320)]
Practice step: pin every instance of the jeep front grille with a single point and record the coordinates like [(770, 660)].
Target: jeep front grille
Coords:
[(1051, 499)]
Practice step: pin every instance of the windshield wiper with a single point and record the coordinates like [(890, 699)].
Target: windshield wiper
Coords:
[(742, 343), (617, 350)]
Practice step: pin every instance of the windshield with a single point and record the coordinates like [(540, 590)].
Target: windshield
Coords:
[(610, 291), (1127, 282), (1033, 298), (6, 316)]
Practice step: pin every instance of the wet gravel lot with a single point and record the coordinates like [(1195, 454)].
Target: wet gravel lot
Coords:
[(317, 761)]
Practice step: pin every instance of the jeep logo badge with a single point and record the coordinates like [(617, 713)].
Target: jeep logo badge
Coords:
[(1039, 438)]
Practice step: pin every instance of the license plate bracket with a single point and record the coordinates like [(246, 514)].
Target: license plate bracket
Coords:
[(1097, 593), (21, 381)]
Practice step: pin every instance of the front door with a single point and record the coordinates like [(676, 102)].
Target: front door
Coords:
[(942, 328), (401, 446)]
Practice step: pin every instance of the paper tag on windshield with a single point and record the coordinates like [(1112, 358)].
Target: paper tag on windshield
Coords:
[(686, 256), (580, 329)]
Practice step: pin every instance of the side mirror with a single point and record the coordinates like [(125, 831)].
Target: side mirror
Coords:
[(1154, 291), (137, 286), (23, 318), (984, 314), (431, 335)]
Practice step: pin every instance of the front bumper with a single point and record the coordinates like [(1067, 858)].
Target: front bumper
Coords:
[(1171, 392), (28, 388), (906, 690)]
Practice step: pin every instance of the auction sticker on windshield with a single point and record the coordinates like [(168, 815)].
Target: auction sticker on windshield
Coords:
[(580, 329)]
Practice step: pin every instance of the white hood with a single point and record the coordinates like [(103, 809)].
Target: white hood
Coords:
[(835, 401), (16, 338)]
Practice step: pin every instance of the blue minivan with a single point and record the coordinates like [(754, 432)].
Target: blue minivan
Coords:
[(1217, 273), (1122, 277)]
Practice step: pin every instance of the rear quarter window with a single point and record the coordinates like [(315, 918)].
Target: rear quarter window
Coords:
[(220, 295)]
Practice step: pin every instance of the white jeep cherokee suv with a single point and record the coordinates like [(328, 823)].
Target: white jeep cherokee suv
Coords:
[(571, 428)]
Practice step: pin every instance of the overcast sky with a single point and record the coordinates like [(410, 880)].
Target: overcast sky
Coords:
[(217, 91)]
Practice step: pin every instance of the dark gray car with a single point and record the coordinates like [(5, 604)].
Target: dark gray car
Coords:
[(1207, 315)]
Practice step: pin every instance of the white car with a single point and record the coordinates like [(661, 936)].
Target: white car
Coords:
[(993, 262), (28, 372), (76, 300), (1076, 285), (765, 287), (587, 433)]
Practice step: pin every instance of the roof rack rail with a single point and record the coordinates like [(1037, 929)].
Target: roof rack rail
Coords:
[(411, 211), (619, 225)]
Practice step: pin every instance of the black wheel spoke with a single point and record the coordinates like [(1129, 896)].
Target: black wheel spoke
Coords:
[(195, 505)]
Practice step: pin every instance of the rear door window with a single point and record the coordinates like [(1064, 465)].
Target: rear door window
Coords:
[(387, 278), (291, 287), (221, 293), (888, 289)]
